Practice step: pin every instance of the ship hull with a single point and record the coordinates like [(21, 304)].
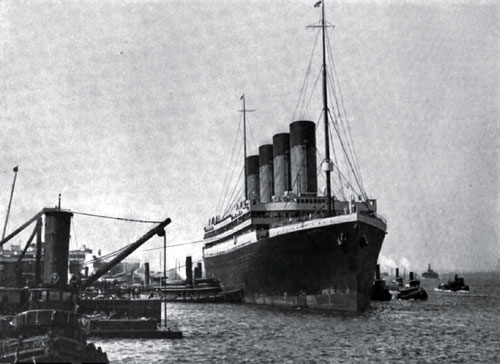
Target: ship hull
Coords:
[(49, 349), (327, 267)]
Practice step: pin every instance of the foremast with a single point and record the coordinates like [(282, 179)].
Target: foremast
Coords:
[(244, 111)]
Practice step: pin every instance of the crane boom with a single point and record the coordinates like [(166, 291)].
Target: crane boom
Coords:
[(125, 253), (21, 228)]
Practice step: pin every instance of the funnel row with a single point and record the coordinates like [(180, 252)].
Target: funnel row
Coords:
[(289, 164)]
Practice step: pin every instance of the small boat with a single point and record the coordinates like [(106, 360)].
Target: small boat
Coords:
[(457, 285), (380, 291), (397, 284), (413, 291), (50, 331), (47, 328), (410, 291), (430, 274)]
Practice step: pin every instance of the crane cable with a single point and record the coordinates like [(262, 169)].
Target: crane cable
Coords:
[(117, 218)]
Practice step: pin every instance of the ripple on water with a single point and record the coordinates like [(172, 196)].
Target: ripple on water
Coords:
[(445, 329)]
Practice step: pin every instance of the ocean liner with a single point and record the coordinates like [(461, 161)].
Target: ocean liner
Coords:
[(286, 244)]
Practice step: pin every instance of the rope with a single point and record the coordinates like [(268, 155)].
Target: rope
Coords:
[(225, 184), (174, 245), (235, 193), (109, 255), (311, 95), (117, 218), (337, 165), (306, 78), (348, 135), (348, 153), (348, 160), (348, 124)]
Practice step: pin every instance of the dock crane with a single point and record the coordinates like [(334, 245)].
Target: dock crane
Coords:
[(157, 230), (15, 170)]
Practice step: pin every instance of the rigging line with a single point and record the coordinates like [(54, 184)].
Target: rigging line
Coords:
[(343, 180), (335, 122), (304, 83), (235, 167), (279, 172), (229, 165), (254, 140), (336, 165), (74, 234), (174, 245), (330, 136), (331, 84), (334, 86), (233, 203), (348, 160), (355, 156), (236, 189), (106, 256), (306, 107), (339, 172), (302, 162), (307, 79), (116, 218), (237, 197), (230, 160), (320, 160), (350, 155), (342, 103), (228, 204)]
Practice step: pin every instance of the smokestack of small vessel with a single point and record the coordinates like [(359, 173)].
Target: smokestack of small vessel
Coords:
[(411, 276), (56, 248), (189, 271), (146, 274), (86, 272), (397, 272), (281, 164), (252, 177), (377, 272), (266, 172), (303, 157), (200, 272)]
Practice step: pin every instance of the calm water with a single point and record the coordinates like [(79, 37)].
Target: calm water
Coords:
[(448, 328)]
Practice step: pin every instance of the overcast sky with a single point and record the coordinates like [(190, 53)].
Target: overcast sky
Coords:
[(129, 108)]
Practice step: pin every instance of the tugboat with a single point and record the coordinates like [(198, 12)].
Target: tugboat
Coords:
[(380, 292), (430, 274), (51, 330), (457, 285), (413, 291), (396, 284)]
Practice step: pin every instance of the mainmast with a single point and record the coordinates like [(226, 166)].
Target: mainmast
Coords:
[(327, 165)]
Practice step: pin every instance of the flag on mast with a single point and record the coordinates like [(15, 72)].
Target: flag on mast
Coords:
[(318, 3)]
